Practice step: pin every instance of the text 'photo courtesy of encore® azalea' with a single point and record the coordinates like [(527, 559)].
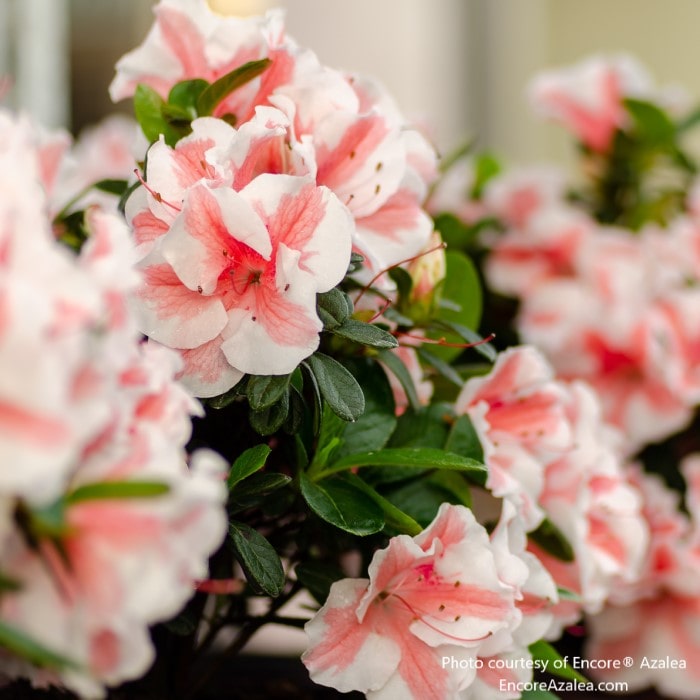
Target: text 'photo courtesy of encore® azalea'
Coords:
[(244, 383)]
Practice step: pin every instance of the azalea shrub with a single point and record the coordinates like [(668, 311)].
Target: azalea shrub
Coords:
[(260, 367), (599, 270)]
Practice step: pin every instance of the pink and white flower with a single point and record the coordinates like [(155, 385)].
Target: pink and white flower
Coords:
[(659, 616), (588, 97), (233, 283), (519, 413), (425, 599), (83, 403)]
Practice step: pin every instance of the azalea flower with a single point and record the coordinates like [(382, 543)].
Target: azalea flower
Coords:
[(425, 599), (657, 617), (518, 411), (87, 407), (588, 97)]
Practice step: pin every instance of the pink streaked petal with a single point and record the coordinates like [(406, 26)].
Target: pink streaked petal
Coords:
[(206, 370), (273, 336), (200, 245), (361, 159), (172, 314), (396, 231), (46, 432), (342, 652), (516, 370), (183, 40), (308, 219)]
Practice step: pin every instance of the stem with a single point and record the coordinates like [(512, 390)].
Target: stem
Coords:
[(248, 629)]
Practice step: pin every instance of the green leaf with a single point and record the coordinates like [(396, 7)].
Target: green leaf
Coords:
[(545, 651), (36, 654), (248, 463), (258, 558), (427, 427), (329, 438), (112, 186), (253, 491), (394, 518), (108, 490), (365, 334), (454, 485), (442, 367), (342, 504), (414, 457), (550, 538), (269, 420), (372, 430), (486, 167), (463, 288), (464, 441), (318, 578), (453, 231), (226, 399), (186, 93), (651, 123), (265, 390), (333, 307), (337, 386), (420, 498), (396, 366), (355, 263), (176, 116), (148, 108), (215, 93), (403, 281)]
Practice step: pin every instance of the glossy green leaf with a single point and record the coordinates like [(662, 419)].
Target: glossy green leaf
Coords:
[(248, 463), (462, 287), (395, 520), (186, 93), (108, 490), (258, 558), (269, 420), (427, 427), (36, 654), (148, 109), (463, 439), (365, 334), (333, 307), (254, 491), (338, 387), (342, 504), (265, 390), (414, 457), (215, 93), (396, 366), (372, 430)]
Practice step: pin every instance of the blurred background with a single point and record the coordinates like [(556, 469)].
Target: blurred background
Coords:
[(458, 66)]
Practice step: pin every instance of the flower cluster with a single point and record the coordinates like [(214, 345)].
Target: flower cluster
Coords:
[(606, 276), (104, 527), (260, 278), (657, 616), (241, 228)]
